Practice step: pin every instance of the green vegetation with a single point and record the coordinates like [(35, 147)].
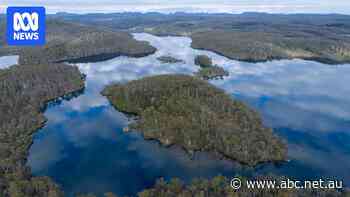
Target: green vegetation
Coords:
[(203, 61), (264, 46), (187, 111), (79, 43), (212, 72), (248, 37), (208, 70), (24, 91), (169, 60), (220, 187)]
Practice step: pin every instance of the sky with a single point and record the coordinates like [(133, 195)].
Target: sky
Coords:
[(169, 6)]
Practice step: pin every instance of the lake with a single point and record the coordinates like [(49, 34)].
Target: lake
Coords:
[(83, 147)]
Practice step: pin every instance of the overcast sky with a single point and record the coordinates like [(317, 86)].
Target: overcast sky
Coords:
[(233, 6)]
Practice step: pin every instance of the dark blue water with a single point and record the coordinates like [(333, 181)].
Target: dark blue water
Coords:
[(83, 148)]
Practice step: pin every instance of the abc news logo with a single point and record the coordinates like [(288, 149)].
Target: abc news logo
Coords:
[(26, 25), (33, 21)]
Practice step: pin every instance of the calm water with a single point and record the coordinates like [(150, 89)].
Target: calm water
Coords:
[(83, 148)]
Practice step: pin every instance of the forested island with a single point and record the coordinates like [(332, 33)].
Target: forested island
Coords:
[(187, 111), (25, 89), (208, 70), (169, 60)]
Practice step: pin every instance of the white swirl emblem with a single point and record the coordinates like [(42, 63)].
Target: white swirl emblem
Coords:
[(19, 21)]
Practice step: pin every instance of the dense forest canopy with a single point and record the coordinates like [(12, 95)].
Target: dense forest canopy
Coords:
[(184, 110)]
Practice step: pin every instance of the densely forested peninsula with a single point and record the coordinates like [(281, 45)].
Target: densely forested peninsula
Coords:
[(190, 112), (24, 91), (73, 42)]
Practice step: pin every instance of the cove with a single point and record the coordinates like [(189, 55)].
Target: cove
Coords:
[(83, 147)]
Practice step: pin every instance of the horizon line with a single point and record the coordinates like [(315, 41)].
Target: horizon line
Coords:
[(188, 8)]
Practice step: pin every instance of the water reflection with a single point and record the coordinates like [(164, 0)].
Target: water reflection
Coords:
[(86, 151)]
